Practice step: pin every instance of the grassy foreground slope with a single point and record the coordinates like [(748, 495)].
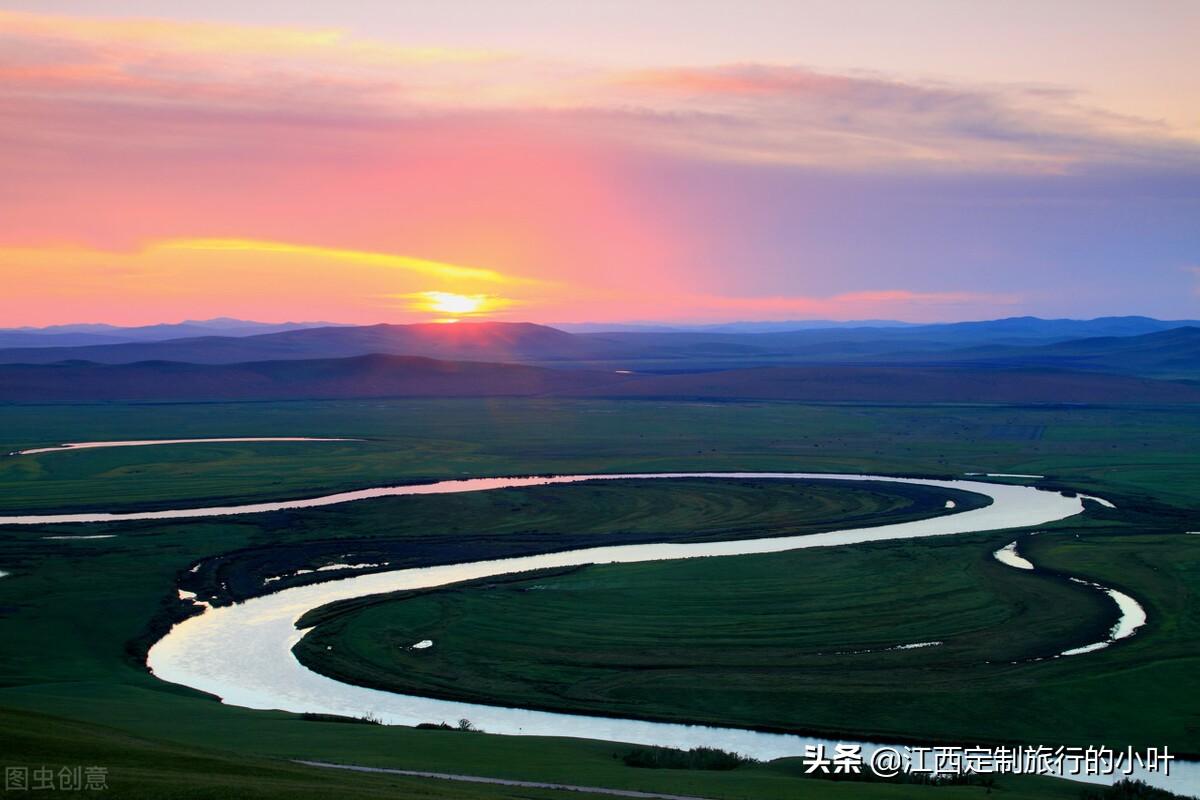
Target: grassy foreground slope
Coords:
[(136, 768), (228, 753)]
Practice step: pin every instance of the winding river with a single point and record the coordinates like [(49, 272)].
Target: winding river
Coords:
[(1132, 617), (242, 653)]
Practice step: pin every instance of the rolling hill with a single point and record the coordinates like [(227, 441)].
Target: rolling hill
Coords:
[(478, 341), (1169, 353), (99, 333), (1013, 329), (359, 376), (377, 376)]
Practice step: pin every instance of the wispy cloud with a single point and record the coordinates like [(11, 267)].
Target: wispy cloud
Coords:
[(147, 37), (795, 114), (746, 112), (422, 266), (846, 305), (174, 278)]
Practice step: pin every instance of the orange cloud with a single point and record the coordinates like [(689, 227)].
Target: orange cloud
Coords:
[(389, 260), (157, 35), (276, 281), (214, 277)]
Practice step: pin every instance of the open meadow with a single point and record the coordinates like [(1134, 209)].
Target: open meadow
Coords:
[(775, 641)]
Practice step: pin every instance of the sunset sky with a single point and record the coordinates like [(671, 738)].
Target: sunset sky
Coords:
[(393, 161)]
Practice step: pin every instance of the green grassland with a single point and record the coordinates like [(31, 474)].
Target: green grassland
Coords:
[(192, 749), (1146, 453), (420, 531), (778, 641), (140, 768), (74, 615)]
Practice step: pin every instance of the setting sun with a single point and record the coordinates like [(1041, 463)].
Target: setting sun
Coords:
[(451, 303), (454, 303)]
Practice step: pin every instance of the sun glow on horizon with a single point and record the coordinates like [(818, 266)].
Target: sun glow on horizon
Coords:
[(455, 304)]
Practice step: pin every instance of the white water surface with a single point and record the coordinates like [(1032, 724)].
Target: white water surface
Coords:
[(146, 442), (1132, 615), (1100, 500), (1006, 516), (1002, 475), (1009, 556), (83, 538), (242, 653)]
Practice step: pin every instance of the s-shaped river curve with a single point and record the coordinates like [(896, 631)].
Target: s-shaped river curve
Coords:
[(243, 653)]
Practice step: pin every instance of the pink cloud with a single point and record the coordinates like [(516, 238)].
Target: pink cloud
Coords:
[(744, 112), (746, 79)]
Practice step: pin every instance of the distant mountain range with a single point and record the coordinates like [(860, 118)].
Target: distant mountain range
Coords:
[(379, 376), (1114, 344), (727, 327), (483, 341), (1021, 327), (1115, 359), (100, 333), (1027, 328)]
